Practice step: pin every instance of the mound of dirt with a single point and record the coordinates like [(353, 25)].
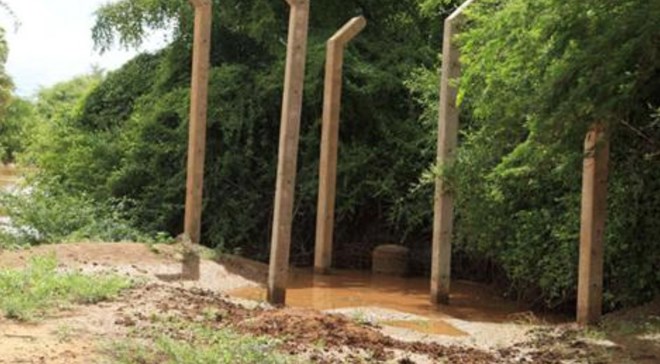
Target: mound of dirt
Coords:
[(305, 328), (302, 328), (157, 307)]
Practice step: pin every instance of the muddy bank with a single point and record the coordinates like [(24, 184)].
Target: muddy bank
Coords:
[(375, 333)]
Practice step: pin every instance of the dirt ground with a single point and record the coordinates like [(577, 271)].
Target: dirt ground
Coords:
[(82, 334)]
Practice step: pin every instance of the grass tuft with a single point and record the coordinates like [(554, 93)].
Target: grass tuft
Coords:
[(31, 293), (201, 345)]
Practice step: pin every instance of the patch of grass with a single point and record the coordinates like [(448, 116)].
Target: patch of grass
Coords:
[(33, 292), (594, 333), (196, 344), (643, 324), (64, 333)]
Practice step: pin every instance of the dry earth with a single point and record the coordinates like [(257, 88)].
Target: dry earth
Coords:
[(358, 334)]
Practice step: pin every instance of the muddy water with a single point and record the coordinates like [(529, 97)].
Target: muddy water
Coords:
[(346, 289)]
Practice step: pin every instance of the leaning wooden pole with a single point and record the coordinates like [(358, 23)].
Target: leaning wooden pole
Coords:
[(592, 231), (325, 213), (198, 114), (288, 150), (447, 142)]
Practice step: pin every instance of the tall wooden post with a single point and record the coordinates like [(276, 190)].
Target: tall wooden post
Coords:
[(288, 150), (198, 111), (325, 215), (592, 231), (447, 142)]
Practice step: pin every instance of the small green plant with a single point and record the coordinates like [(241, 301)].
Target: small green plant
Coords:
[(64, 333), (30, 293), (594, 333), (361, 318), (202, 345)]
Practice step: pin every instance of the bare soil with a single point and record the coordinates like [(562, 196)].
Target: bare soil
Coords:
[(82, 334)]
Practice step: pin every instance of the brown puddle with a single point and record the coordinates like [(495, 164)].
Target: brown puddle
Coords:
[(347, 289)]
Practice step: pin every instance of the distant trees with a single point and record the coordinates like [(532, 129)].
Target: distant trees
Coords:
[(15, 124), (10, 127)]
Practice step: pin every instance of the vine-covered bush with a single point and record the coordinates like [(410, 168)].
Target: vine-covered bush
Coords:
[(129, 135), (536, 75)]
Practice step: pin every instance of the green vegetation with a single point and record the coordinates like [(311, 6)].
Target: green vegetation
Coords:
[(49, 211), (128, 138), (202, 345), (14, 112), (537, 75), (18, 120), (112, 147), (33, 292), (49, 215)]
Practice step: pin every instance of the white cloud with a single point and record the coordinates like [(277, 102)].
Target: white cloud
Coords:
[(53, 42)]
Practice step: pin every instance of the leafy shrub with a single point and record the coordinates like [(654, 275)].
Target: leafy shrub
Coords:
[(15, 125), (46, 214), (127, 138), (535, 76)]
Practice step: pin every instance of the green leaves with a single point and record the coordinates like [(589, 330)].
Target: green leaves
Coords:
[(127, 138), (127, 22), (536, 75)]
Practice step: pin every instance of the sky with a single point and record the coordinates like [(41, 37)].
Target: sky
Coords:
[(53, 43)]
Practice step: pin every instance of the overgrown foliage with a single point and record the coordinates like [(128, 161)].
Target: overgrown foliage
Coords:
[(44, 210), (128, 139), (15, 124), (6, 84), (47, 214), (536, 76), (14, 112)]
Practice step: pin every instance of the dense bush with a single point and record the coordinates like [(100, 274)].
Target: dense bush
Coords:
[(128, 139), (45, 210), (536, 76), (45, 214), (17, 120)]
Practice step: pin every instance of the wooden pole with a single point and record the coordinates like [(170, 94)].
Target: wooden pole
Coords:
[(592, 231), (197, 126), (325, 215), (288, 150), (447, 141)]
